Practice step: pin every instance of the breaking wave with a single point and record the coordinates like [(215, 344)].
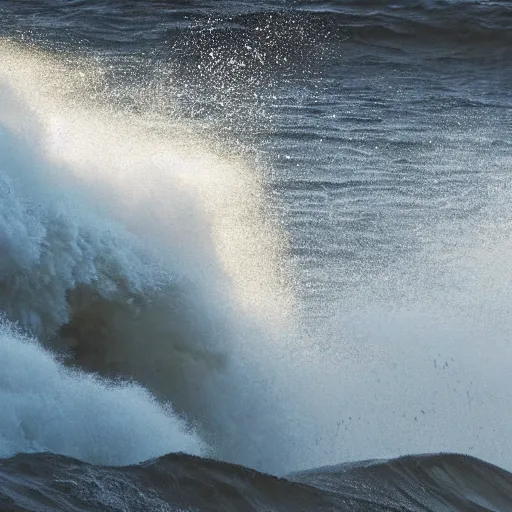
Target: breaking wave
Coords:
[(49, 408), (132, 254)]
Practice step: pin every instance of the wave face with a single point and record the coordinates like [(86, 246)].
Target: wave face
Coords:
[(427, 483)]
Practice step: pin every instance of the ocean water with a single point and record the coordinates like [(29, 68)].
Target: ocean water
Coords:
[(240, 241)]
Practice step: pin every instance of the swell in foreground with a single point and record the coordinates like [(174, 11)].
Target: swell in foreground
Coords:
[(445, 482)]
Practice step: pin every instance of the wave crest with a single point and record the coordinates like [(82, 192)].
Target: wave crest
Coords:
[(138, 254)]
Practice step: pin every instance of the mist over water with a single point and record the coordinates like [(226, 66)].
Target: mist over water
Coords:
[(418, 361), (414, 356), (316, 309)]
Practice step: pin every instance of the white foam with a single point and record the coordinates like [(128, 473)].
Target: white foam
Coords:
[(46, 407), (141, 253)]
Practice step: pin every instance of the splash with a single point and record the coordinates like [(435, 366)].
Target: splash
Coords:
[(134, 251), (133, 248), (47, 407)]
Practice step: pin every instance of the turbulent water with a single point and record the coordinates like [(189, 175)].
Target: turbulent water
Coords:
[(274, 236)]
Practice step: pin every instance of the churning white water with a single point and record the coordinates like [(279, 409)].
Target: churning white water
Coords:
[(135, 254), (46, 407)]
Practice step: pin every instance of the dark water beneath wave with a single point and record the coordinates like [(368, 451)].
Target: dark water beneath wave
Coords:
[(182, 482), (276, 234)]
